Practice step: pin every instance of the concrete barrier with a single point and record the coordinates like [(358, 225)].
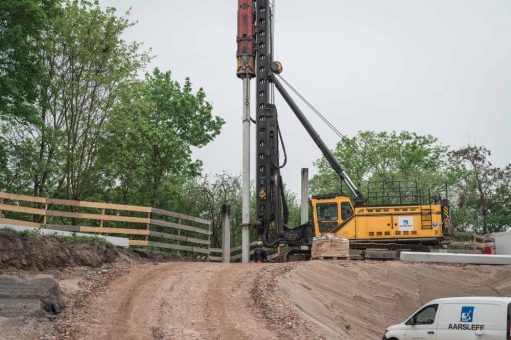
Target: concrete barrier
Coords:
[(407, 256), (503, 242), (116, 241)]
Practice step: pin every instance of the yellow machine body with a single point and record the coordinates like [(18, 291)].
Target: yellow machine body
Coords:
[(394, 223)]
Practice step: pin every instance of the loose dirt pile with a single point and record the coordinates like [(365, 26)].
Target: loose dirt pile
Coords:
[(358, 300), (30, 251)]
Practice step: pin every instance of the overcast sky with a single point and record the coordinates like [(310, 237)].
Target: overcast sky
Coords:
[(440, 67)]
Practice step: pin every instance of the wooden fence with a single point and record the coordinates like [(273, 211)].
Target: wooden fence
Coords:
[(478, 244), (143, 226)]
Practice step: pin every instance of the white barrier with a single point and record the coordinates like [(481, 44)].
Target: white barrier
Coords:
[(116, 241), (407, 256)]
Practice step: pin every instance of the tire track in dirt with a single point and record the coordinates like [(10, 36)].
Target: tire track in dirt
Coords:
[(231, 307), (177, 301), (131, 306)]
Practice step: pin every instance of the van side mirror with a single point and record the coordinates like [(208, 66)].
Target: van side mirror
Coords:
[(410, 322)]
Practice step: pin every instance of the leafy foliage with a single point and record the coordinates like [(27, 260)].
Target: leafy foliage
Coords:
[(205, 196), (86, 63), (150, 135), (482, 192), (383, 156), (23, 29), (101, 133)]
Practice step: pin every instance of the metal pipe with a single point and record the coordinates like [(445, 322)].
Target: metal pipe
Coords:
[(304, 210), (245, 181)]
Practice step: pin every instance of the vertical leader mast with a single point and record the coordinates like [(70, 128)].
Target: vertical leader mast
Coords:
[(268, 181)]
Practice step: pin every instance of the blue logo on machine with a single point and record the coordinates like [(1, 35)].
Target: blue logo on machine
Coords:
[(467, 313)]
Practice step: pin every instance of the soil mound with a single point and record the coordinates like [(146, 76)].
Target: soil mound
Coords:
[(30, 251)]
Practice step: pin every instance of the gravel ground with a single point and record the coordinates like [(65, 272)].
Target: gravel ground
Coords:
[(142, 299)]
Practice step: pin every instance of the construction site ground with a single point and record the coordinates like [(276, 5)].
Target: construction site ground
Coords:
[(131, 295), (307, 300)]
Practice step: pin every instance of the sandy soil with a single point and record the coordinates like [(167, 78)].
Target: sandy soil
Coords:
[(306, 300), (113, 294), (358, 300), (176, 301)]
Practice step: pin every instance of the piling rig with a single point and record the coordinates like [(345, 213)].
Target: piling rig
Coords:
[(401, 217)]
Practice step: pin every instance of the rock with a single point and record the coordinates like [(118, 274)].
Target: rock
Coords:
[(19, 297)]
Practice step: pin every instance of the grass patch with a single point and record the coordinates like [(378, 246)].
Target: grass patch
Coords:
[(77, 239), (23, 234)]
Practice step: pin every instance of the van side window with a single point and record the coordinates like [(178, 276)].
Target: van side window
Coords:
[(426, 316)]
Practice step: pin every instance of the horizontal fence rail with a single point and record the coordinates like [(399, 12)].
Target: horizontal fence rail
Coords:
[(143, 226)]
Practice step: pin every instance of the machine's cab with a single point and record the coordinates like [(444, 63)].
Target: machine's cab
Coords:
[(330, 212)]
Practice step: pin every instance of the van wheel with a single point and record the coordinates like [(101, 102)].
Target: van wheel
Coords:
[(393, 339)]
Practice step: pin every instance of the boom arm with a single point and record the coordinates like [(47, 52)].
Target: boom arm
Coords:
[(334, 163)]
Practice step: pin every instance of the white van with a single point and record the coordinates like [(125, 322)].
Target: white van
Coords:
[(460, 318)]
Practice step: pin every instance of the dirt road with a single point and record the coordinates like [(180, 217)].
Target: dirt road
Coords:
[(308, 300), (178, 301)]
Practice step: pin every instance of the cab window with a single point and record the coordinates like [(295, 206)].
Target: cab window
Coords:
[(327, 212), (426, 316), (327, 216), (346, 211)]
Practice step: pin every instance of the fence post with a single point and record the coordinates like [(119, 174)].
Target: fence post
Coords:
[(103, 212), (209, 242), (226, 233), (147, 227), (45, 217)]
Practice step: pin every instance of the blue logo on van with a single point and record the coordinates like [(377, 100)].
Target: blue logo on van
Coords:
[(467, 313)]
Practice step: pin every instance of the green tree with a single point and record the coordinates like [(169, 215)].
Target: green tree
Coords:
[(205, 196), (150, 135), (24, 26), (294, 208), (481, 192), (86, 64), (383, 156)]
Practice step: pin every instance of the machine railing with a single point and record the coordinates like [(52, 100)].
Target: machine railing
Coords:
[(403, 193)]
